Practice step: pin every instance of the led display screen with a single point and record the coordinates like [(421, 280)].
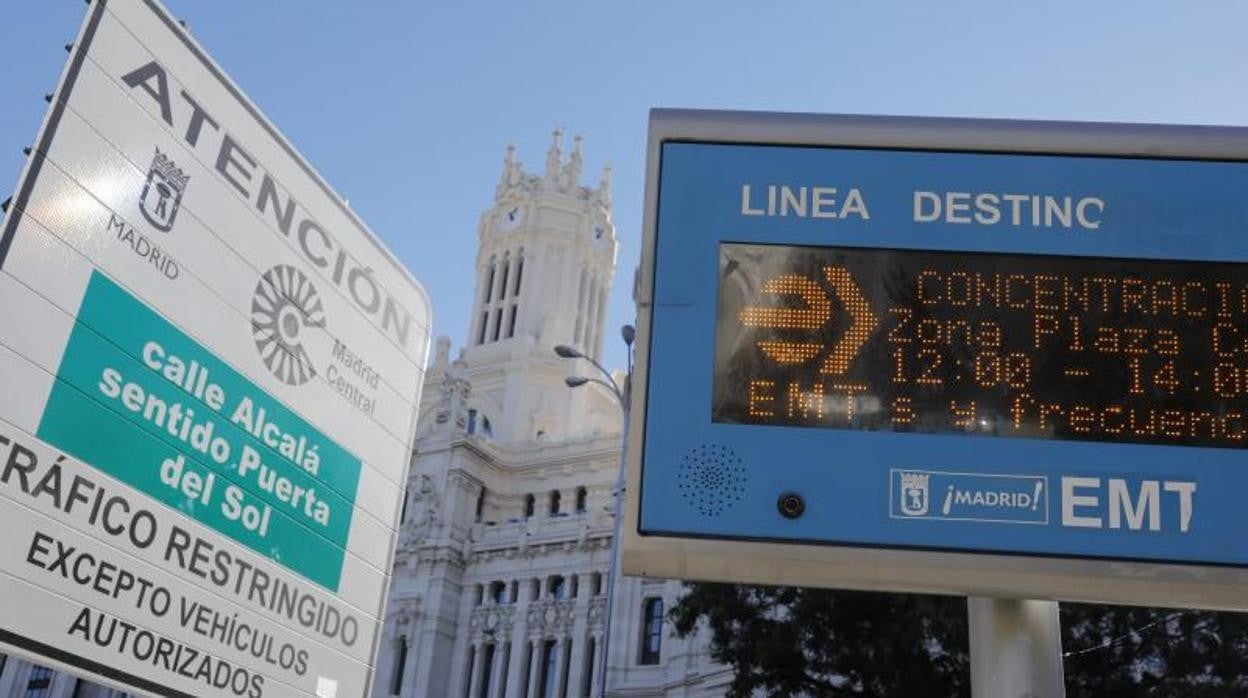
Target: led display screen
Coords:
[(1006, 345)]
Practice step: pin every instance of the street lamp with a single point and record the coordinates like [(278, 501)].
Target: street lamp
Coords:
[(623, 396), (566, 352)]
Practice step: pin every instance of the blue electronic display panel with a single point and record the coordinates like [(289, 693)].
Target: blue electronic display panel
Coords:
[(957, 351)]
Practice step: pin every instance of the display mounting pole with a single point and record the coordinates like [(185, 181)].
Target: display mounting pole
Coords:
[(1016, 648)]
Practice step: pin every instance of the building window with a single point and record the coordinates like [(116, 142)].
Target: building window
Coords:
[(556, 587), (595, 583), (501, 292), (535, 590), (651, 630), (489, 285), (502, 288), (477, 421), (530, 503), (480, 504), (581, 497), (498, 592), (478, 594), (400, 665), (487, 293), (511, 321), (546, 688), (39, 685), (554, 502)]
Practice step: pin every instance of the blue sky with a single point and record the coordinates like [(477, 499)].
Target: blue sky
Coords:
[(406, 107)]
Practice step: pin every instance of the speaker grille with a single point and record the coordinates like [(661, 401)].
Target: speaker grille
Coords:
[(711, 479)]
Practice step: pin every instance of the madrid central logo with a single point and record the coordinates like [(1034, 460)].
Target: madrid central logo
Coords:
[(283, 308)]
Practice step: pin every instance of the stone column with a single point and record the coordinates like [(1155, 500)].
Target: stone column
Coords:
[(502, 650), (597, 667), (561, 650), (591, 315), (602, 313), (531, 290), (409, 665), (474, 681), (63, 684), (515, 667), (504, 293), (8, 676), (580, 629), (535, 667)]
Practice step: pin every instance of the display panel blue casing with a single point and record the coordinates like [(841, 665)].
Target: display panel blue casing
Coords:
[(720, 480)]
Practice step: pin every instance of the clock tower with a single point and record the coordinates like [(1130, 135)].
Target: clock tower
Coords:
[(501, 582), (545, 261)]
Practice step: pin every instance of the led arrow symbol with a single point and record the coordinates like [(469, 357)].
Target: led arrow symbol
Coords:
[(862, 321), (817, 311)]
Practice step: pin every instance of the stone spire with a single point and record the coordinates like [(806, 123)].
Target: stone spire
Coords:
[(572, 173), (604, 187), (554, 156), (512, 174)]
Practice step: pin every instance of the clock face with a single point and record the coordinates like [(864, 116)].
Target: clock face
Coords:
[(511, 217)]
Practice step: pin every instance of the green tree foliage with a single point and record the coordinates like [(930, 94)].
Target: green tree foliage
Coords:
[(1161, 653), (783, 641)]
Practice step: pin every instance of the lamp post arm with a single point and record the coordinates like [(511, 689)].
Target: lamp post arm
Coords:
[(609, 386), (614, 387)]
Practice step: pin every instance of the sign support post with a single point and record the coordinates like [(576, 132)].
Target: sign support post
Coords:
[(1015, 647)]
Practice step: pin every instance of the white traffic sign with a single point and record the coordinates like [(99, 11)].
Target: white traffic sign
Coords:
[(210, 387)]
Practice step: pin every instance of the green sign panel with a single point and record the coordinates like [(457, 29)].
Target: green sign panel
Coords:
[(150, 406)]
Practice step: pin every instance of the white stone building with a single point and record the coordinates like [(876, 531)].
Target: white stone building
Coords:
[(23, 679), (499, 586)]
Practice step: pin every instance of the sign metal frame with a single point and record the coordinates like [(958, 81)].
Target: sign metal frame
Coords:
[(1026, 575)]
